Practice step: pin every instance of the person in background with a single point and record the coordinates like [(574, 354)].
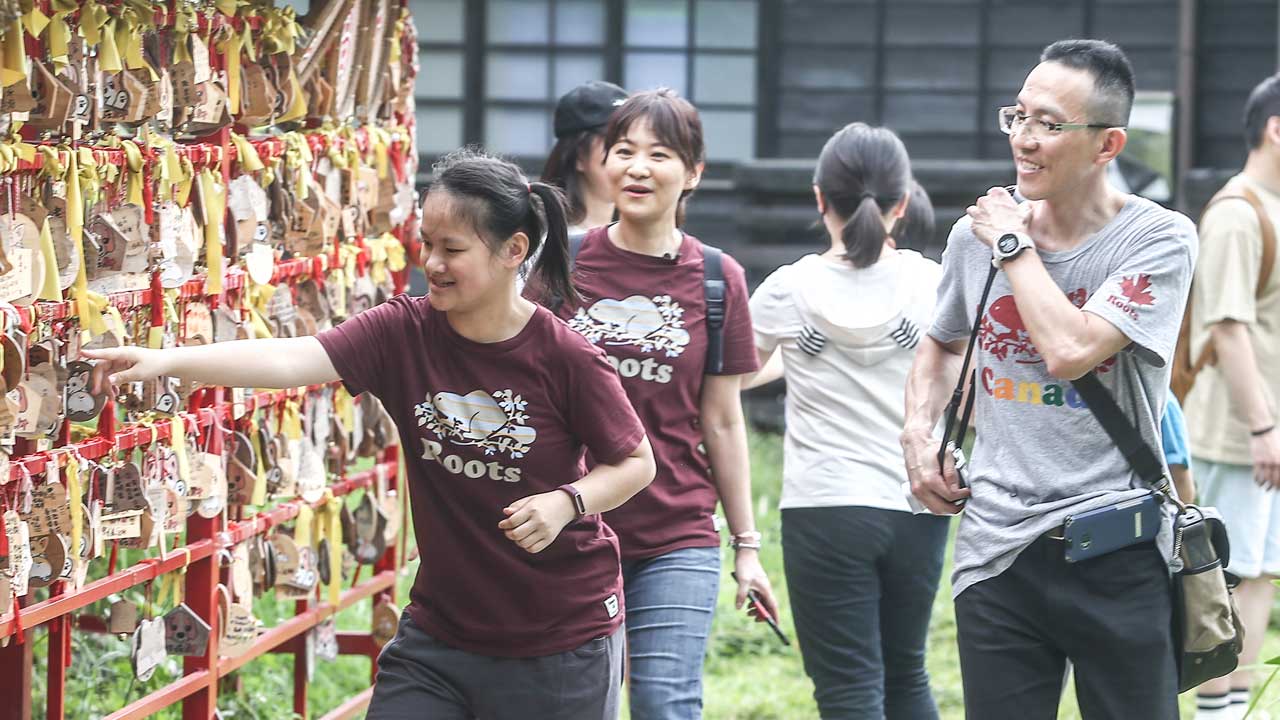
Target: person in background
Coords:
[(1177, 450), (916, 228), (862, 570), (576, 163), (644, 303), (1233, 408)]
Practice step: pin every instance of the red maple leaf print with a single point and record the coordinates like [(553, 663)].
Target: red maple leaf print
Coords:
[(1135, 287)]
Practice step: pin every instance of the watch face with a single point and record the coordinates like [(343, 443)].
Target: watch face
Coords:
[(1008, 243)]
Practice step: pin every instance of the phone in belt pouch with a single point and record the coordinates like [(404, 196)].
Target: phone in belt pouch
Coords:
[(1111, 528)]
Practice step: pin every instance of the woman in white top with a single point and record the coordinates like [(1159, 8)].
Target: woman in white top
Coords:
[(862, 570)]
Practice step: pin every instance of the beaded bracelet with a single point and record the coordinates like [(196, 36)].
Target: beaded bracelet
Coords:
[(749, 540)]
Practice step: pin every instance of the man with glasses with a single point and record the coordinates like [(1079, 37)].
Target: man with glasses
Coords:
[(1090, 279)]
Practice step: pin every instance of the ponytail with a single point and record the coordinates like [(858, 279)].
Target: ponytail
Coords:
[(864, 234), (552, 269), (862, 173)]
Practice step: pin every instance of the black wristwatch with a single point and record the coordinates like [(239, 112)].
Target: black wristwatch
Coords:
[(1010, 246), (579, 504)]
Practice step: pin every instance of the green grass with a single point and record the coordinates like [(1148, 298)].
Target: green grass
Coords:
[(749, 674)]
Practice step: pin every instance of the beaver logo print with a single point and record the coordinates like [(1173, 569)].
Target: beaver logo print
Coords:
[(494, 422), (651, 325)]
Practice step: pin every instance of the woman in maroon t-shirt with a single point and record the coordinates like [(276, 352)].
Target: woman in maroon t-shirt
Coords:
[(517, 610), (644, 305)]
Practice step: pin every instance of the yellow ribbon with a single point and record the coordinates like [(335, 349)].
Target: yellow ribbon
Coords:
[(93, 17), (108, 47), (87, 304), (255, 301), (298, 108), (230, 47), (381, 142), (133, 160), (298, 158), (35, 21), (178, 441), (249, 159), (49, 288), (13, 54), (347, 255), (344, 407), (397, 34), (291, 421), (213, 198), (338, 278), (59, 38), (183, 178), (331, 509), (302, 527)]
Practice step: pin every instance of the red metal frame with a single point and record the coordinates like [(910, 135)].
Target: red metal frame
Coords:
[(198, 687)]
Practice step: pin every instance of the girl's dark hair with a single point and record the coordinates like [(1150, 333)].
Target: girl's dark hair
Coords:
[(916, 228), (562, 170), (863, 171), (498, 201), (673, 120)]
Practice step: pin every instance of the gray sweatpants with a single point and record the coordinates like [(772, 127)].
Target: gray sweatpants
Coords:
[(421, 678)]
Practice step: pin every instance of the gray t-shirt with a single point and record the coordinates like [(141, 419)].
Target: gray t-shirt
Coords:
[(1040, 454)]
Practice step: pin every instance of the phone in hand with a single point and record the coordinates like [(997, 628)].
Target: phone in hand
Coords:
[(756, 604)]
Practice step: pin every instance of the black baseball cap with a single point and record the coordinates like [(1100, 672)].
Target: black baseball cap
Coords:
[(587, 107)]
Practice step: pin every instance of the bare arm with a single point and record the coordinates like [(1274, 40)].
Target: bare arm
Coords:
[(933, 377), (1239, 367), (1071, 341), (534, 522), (724, 431), (770, 369), (268, 363)]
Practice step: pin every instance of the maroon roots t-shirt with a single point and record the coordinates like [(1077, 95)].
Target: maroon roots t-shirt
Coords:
[(484, 424), (649, 316)]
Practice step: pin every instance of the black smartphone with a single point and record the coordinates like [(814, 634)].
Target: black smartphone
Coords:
[(754, 599)]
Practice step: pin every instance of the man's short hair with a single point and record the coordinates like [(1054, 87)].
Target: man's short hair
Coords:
[(1263, 103), (1112, 76)]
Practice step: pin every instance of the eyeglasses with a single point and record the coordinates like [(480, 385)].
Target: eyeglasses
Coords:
[(1011, 121)]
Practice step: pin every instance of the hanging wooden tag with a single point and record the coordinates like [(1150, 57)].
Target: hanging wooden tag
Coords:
[(148, 648), (326, 640), (123, 617), (6, 594), (386, 620), (242, 476), (240, 632), (370, 531), (260, 261), (54, 99), (50, 509), (286, 557), (47, 557), (197, 324), (82, 405), (185, 633), (257, 99), (20, 560), (122, 525), (282, 313), (241, 572), (127, 491), (311, 474), (18, 98)]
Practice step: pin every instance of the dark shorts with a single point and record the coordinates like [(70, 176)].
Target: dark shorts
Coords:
[(421, 678)]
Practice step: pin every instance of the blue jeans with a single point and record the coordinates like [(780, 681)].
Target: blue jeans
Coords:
[(862, 582), (670, 601)]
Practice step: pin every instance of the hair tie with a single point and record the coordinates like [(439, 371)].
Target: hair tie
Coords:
[(529, 187), (866, 195)]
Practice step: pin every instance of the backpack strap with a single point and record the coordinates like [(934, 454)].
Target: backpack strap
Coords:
[(714, 292), (1185, 369)]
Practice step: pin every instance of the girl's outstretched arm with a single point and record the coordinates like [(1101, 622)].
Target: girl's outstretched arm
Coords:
[(267, 363)]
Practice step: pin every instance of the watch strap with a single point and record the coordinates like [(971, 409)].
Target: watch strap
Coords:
[(579, 503)]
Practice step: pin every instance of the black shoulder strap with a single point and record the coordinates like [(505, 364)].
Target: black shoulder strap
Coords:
[(575, 247), (713, 290), (1122, 432), (953, 432)]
